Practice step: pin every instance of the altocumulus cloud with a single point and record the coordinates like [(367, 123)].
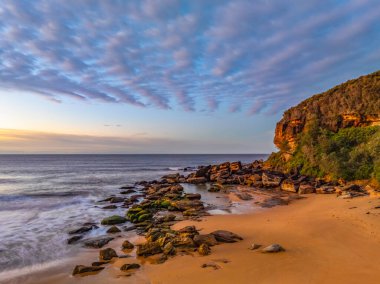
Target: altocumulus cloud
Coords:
[(200, 55)]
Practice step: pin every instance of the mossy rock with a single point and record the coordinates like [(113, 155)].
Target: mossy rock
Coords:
[(144, 217), (112, 220), (165, 204)]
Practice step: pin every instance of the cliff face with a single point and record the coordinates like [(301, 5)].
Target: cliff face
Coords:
[(355, 103)]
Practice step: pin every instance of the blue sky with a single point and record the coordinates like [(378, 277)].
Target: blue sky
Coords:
[(171, 76)]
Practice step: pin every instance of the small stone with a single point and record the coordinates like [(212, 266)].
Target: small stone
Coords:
[(127, 245), (204, 249), (273, 249), (107, 254), (226, 236), (129, 266), (254, 246), (211, 264), (113, 230), (79, 269), (80, 230)]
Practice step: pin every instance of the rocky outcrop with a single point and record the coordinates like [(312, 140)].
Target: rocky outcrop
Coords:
[(355, 103)]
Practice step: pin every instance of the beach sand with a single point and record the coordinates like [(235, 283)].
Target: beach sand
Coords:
[(327, 240)]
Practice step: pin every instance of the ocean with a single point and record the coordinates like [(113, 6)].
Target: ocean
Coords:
[(42, 196)]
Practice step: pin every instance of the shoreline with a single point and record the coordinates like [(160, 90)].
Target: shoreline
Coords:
[(327, 240), (249, 187)]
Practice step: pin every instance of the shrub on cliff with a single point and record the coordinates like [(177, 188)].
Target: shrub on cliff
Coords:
[(351, 153)]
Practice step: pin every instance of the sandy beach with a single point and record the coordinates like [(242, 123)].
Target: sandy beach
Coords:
[(327, 240)]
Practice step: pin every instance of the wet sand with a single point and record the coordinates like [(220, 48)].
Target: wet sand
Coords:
[(327, 240)]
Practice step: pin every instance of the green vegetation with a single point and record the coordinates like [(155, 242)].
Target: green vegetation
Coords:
[(351, 153)]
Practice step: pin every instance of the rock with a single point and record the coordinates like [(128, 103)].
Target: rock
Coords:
[(107, 254), (244, 196), (129, 228), (79, 269), (193, 196), (208, 239), (271, 179), (113, 230), (109, 207), (254, 246), (226, 236), (128, 191), (99, 263), (127, 187), (306, 189), (289, 185), (273, 249), (97, 242), (74, 239), (149, 248), (204, 249), (235, 167), (127, 245), (210, 264), (130, 266), (183, 242), (190, 212), (117, 199), (169, 249), (202, 171), (80, 230), (325, 189), (183, 205), (197, 180), (112, 220)]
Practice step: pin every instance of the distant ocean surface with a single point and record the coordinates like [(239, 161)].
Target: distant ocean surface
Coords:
[(41, 196)]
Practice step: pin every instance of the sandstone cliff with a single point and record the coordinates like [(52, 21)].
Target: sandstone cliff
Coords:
[(355, 103)]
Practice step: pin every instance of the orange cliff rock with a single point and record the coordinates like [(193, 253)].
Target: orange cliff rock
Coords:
[(355, 103)]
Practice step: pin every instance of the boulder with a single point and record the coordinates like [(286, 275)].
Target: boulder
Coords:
[(107, 254), (289, 185), (273, 249), (74, 239), (109, 207), (169, 249), (129, 266), (204, 249), (226, 236), (79, 269), (183, 205), (127, 245), (112, 220), (306, 189), (117, 199), (81, 230), (235, 167), (207, 239), (183, 242), (99, 263), (202, 172), (148, 248), (113, 230), (271, 179), (128, 191), (97, 242)]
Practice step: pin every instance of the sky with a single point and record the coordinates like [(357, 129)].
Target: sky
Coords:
[(170, 76)]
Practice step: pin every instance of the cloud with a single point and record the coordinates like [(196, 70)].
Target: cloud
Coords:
[(15, 141), (242, 55)]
